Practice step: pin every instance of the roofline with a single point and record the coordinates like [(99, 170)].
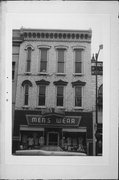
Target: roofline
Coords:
[(67, 30)]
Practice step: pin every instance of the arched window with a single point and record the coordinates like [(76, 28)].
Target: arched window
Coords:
[(28, 64), (26, 94), (29, 50), (26, 84)]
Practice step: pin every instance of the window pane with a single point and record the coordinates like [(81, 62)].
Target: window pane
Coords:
[(41, 90), (28, 59), (43, 66), (78, 55), (78, 91), (41, 101), (78, 96), (26, 94), (60, 67), (29, 53), (59, 101), (43, 54), (78, 68), (26, 99), (59, 91), (28, 66), (60, 95), (78, 101), (60, 55), (26, 89)]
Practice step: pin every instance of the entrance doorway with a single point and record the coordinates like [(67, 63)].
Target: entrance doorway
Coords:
[(53, 138)]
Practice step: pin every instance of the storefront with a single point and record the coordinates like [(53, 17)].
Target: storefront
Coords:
[(72, 131)]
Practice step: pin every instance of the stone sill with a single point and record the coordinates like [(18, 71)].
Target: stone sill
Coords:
[(60, 74), (78, 74), (42, 74), (27, 73)]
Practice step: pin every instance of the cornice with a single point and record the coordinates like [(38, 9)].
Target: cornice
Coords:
[(56, 35)]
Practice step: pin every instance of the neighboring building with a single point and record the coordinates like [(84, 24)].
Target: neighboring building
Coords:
[(98, 126), (54, 97), (15, 59)]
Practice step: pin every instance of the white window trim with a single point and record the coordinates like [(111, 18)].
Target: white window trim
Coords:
[(65, 59), (64, 95), (46, 92), (82, 62), (78, 107), (40, 47)]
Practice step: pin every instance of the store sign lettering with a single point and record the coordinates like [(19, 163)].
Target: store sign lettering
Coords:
[(57, 121)]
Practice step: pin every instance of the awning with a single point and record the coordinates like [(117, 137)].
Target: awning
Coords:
[(27, 128), (74, 130)]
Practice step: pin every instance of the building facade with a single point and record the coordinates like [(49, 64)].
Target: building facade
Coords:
[(54, 100), (98, 121)]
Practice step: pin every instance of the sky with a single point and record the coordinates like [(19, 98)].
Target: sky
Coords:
[(55, 18)]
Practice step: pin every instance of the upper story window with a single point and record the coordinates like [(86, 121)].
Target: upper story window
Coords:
[(13, 70), (26, 85), (43, 56), (78, 61), (26, 94), (29, 49), (78, 96), (43, 60), (60, 60), (60, 95), (60, 92), (42, 92), (41, 95), (28, 65)]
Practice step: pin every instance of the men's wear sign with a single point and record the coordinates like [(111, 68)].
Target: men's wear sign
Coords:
[(53, 120)]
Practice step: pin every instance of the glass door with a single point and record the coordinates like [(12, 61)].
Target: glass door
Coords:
[(53, 138)]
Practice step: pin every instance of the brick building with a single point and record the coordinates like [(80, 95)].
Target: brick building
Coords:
[(54, 99)]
